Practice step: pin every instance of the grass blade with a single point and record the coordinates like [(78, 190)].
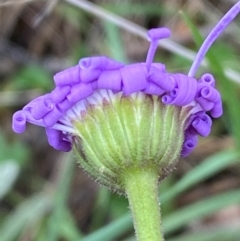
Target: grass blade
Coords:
[(209, 167), (114, 42), (26, 214), (199, 210), (60, 199), (223, 234)]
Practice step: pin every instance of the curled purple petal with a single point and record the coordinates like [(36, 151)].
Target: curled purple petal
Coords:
[(55, 139), (206, 118), (202, 127), (192, 123), (159, 66), (64, 146), (65, 105), (79, 92), (167, 99), (210, 94), (205, 104), (189, 144), (153, 89), (99, 62), (35, 101), (217, 110), (52, 117), (174, 92), (163, 80), (201, 85), (134, 78), (42, 108), (110, 80), (186, 90), (188, 147), (89, 75), (68, 76), (208, 79), (19, 122), (60, 93)]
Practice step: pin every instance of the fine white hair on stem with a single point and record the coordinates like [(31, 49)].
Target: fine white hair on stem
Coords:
[(142, 32)]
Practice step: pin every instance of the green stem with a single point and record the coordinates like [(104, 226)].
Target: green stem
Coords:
[(142, 191)]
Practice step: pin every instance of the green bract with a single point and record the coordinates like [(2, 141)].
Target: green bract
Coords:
[(129, 132)]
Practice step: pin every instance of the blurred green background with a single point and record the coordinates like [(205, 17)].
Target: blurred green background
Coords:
[(44, 195)]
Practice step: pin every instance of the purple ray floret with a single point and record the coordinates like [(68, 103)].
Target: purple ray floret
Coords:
[(66, 77), (184, 90), (99, 63), (80, 91), (57, 140), (134, 78), (59, 93), (111, 80), (189, 144)]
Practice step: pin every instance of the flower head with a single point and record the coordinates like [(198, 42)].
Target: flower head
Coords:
[(117, 115), (98, 79), (121, 116)]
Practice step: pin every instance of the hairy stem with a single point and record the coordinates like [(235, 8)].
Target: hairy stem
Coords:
[(142, 191)]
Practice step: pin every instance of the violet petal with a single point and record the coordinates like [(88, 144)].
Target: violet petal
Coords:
[(56, 141), (52, 117), (205, 104), (19, 122), (153, 89), (167, 99), (65, 105), (110, 80), (79, 92), (89, 75), (133, 78), (99, 62), (159, 66), (42, 108), (189, 144), (187, 89), (207, 79), (217, 110), (68, 76), (161, 79), (201, 127), (60, 93), (210, 94)]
